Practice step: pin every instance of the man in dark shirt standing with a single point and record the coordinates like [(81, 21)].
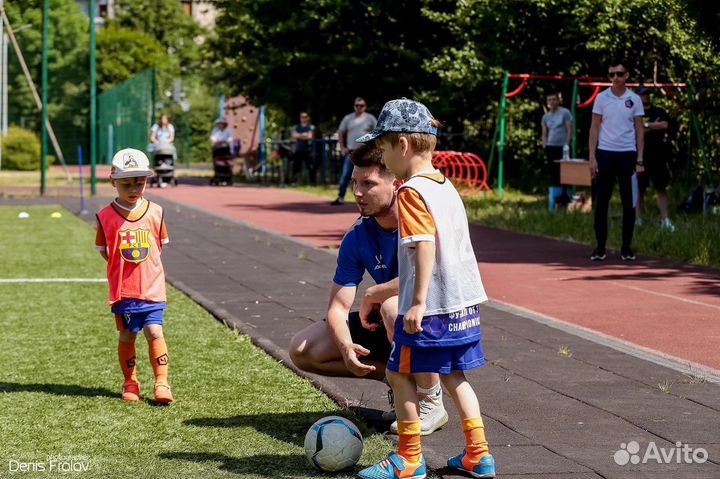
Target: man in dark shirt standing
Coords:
[(303, 134), (657, 152)]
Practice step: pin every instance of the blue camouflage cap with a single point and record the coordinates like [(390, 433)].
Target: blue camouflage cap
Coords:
[(402, 116)]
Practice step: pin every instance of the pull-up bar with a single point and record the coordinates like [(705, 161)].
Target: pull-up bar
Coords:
[(578, 81)]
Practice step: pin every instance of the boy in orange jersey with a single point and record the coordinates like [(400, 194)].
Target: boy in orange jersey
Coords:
[(438, 324), (130, 236)]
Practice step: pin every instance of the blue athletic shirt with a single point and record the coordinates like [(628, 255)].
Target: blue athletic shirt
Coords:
[(366, 246)]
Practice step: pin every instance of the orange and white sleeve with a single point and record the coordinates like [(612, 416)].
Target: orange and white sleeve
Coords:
[(164, 239), (100, 243), (416, 222)]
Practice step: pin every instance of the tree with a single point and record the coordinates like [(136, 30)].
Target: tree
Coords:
[(167, 22), (67, 68), (658, 41), (121, 53), (319, 55)]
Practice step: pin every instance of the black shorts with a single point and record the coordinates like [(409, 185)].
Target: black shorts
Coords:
[(656, 169), (375, 341)]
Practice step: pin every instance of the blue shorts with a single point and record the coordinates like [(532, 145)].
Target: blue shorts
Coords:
[(444, 360), (134, 322)]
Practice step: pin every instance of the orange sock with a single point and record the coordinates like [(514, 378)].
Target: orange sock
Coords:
[(409, 432), (476, 445), (126, 355), (159, 360)]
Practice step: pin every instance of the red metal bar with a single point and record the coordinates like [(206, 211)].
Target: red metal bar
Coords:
[(589, 101), (481, 170), (466, 169), (517, 90)]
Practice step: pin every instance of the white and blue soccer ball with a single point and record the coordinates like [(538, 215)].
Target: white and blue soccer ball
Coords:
[(333, 443)]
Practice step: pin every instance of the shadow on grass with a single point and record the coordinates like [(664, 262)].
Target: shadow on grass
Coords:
[(263, 465), (57, 389), (291, 427), (286, 427)]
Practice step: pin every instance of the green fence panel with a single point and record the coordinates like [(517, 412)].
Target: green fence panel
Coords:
[(125, 115)]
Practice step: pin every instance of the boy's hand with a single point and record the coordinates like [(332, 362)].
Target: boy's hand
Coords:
[(352, 362), (412, 321)]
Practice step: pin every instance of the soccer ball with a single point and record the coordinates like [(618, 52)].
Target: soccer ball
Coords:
[(333, 443)]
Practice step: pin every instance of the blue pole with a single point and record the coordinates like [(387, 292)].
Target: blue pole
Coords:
[(262, 138), (323, 166), (83, 211)]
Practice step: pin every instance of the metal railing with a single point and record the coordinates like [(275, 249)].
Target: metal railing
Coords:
[(277, 167)]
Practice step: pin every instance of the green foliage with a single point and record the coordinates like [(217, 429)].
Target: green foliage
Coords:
[(451, 54), (21, 150), (319, 55), (122, 53), (658, 41), (67, 68), (192, 128), (167, 22)]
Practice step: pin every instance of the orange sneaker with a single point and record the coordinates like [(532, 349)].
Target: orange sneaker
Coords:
[(131, 391), (163, 394)]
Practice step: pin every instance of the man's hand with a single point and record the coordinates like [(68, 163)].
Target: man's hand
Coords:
[(639, 168), (351, 355), (593, 167), (343, 151), (412, 321)]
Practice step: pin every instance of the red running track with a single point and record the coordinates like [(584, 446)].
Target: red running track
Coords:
[(672, 309)]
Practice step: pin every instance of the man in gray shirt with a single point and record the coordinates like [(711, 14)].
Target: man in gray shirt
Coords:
[(352, 127), (556, 133)]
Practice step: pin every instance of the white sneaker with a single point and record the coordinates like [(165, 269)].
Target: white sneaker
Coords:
[(667, 224), (433, 416)]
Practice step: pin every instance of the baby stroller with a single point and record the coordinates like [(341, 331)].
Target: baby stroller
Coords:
[(164, 165), (222, 164)]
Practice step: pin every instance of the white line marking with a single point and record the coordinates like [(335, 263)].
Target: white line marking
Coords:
[(52, 280), (665, 295)]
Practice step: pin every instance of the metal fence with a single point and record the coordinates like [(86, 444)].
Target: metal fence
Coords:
[(125, 115), (280, 163)]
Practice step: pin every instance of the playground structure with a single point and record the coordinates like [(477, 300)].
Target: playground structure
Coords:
[(597, 83), (465, 170), (244, 121)]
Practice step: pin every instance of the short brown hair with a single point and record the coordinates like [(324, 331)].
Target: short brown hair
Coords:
[(419, 142), (367, 155)]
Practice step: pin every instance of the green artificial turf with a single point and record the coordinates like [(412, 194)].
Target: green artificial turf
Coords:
[(238, 412)]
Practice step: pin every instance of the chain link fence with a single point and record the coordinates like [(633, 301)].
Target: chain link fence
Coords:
[(125, 115)]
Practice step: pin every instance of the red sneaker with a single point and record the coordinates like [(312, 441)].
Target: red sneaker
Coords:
[(131, 391)]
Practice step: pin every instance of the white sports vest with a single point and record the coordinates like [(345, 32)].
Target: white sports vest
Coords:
[(455, 283)]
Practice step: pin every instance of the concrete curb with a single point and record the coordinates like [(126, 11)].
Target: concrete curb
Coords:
[(323, 383)]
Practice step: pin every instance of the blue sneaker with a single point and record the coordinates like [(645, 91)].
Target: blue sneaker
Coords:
[(395, 467), (485, 468)]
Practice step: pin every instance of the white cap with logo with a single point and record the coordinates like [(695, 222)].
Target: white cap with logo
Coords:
[(129, 163)]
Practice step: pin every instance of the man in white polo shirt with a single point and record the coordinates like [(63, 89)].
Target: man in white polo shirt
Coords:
[(616, 152)]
